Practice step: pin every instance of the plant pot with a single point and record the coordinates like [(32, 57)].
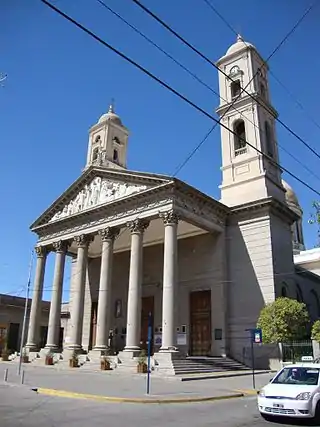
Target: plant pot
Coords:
[(25, 359), (5, 357), (73, 363), (142, 368), (105, 365), (49, 360)]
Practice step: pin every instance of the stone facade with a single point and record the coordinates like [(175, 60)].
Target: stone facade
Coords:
[(147, 243)]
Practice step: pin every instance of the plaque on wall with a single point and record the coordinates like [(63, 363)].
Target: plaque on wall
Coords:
[(218, 334)]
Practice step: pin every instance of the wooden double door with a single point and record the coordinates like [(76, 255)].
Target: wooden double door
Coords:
[(200, 323)]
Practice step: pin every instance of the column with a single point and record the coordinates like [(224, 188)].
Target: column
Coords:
[(137, 228), (35, 312), (104, 298), (82, 242), (52, 344), (170, 220)]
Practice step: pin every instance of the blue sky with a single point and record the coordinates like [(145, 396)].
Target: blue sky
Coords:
[(60, 81)]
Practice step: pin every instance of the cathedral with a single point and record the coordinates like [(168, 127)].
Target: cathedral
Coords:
[(146, 246)]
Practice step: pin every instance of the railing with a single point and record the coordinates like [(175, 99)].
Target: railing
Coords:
[(293, 352), (240, 151)]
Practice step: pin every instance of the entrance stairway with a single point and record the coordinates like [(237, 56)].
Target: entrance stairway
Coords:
[(205, 365)]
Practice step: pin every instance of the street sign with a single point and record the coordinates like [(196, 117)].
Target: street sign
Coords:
[(257, 336)]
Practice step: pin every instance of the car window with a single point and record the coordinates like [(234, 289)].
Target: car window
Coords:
[(298, 375)]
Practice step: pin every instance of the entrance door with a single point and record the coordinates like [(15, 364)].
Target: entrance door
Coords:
[(200, 323), (93, 332), (13, 337), (147, 307)]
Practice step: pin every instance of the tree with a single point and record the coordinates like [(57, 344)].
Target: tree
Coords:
[(315, 219), (283, 320), (315, 332)]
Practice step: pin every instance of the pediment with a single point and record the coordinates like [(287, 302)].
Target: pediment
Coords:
[(98, 187)]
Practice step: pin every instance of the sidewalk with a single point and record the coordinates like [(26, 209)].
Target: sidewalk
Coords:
[(123, 387)]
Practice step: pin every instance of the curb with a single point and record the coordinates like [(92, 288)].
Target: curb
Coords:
[(68, 394), (248, 392), (222, 375)]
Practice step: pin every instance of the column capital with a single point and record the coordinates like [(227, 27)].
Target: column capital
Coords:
[(138, 225), (83, 240), (108, 233), (169, 217), (61, 246), (41, 251)]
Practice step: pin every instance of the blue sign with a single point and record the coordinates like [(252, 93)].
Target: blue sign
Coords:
[(257, 336)]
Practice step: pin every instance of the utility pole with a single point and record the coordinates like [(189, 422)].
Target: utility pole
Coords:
[(25, 313)]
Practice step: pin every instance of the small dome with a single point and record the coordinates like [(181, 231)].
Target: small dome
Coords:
[(111, 116), (239, 45), (291, 198)]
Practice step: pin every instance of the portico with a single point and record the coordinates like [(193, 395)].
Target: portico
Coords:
[(160, 212)]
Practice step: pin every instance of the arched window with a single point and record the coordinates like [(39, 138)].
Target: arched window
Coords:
[(269, 142), (316, 302), (235, 88), (95, 154), (262, 91), (115, 156), (116, 139), (299, 294), (97, 139), (239, 137)]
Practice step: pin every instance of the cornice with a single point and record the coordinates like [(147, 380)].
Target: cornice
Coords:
[(269, 205)]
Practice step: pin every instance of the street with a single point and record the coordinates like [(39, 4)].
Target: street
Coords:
[(21, 407)]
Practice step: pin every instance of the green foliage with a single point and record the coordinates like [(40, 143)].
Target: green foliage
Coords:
[(142, 357), (315, 332), (283, 320), (315, 218)]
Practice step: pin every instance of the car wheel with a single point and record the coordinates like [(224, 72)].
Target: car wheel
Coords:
[(316, 417)]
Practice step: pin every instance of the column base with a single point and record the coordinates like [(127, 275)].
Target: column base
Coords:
[(51, 348), (132, 349), (169, 349), (30, 347), (77, 348)]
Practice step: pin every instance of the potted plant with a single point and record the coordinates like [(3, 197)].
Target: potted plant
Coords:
[(105, 363), (24, 356), (142, 367), (49, 359), (5, 353), (73, 361)]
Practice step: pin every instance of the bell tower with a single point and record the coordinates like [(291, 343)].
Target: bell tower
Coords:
[(108, 141), (247, 175)]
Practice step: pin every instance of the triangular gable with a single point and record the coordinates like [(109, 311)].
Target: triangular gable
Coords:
[(96, 187)]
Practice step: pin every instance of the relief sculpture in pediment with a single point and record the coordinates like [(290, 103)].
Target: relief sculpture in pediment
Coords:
[(98, 192)]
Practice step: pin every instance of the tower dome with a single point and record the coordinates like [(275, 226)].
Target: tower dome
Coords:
[(239, 45), (110, 116)]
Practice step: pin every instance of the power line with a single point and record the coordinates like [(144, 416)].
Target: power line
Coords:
[(182, 164), (170, 29), (172, 90), (298, 103)]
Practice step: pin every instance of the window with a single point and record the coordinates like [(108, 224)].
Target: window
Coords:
[(95, 154), (263, 91), (97, 139), (316, 302), (239, 138), (297, 376), (116, 139), (115, 156), (299, 294), (235, 88), (269, 142)]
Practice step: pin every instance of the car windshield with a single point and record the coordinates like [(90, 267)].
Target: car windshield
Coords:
[(298, 375)]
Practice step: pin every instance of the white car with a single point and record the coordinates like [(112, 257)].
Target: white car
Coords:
[(293, 392)]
